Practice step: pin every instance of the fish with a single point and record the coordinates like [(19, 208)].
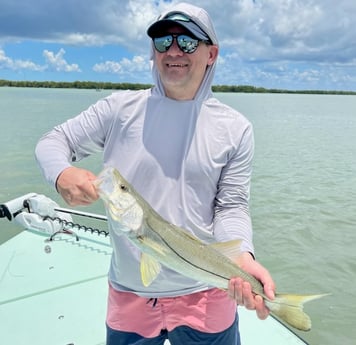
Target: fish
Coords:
[(163, 243)]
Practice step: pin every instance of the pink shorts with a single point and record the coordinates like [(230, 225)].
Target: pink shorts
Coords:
[(209, 311)]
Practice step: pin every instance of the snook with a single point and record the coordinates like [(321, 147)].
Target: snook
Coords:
[(163, 243)]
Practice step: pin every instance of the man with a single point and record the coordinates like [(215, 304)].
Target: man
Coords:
[(190, 157)]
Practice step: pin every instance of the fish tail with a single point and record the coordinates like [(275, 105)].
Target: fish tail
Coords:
[(289, 308)]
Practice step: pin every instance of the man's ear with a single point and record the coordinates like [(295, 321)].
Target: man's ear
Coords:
[(213, 54)]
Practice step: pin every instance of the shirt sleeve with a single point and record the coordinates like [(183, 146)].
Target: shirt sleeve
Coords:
[(232, 218), (73, 140)]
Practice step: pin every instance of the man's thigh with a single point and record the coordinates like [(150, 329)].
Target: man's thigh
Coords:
[(184, 335), (114, 337)]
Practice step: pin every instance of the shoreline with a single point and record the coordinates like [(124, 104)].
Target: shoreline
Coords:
[(138, 86)]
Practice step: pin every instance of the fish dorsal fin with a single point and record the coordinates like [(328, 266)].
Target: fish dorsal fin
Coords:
[(230, 249), (150, 269)]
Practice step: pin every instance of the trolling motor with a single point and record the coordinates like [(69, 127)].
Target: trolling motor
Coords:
[(34, 211), (40, 213), (13, 207)]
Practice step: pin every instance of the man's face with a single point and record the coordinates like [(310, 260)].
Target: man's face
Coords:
[(182, 73)]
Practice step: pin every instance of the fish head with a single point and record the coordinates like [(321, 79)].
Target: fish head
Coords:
[(119, 198)]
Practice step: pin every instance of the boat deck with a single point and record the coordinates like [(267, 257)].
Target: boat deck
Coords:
[(55, 293)]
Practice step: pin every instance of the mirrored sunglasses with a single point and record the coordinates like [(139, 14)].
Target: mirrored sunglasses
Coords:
[(185, 43)]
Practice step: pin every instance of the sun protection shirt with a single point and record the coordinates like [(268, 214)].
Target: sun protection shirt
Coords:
[(191, 160)]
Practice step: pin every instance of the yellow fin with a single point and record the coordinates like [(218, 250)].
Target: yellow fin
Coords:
[(230, 249), (150, 269), (289, 308)]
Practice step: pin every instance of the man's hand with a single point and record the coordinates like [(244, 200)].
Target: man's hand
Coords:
[(76, 187), (241, 291)]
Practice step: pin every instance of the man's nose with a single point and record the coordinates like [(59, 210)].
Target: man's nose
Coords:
[(174, 49)]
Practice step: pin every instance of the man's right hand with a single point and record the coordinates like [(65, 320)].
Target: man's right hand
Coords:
[(75, 185)]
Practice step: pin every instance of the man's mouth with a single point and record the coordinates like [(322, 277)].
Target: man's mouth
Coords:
[(176, 65)]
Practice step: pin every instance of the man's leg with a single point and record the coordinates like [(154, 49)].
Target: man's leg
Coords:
[(114, 337), (188, 336)]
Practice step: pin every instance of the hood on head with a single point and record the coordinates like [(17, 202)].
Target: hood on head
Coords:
[(200, 25)]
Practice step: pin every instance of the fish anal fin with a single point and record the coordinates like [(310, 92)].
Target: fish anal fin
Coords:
[(230, 249), (150, 269)]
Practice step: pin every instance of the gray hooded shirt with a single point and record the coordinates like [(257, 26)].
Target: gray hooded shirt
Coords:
[(191, 160)]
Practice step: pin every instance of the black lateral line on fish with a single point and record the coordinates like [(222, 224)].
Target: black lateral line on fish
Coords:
[(184, 259)]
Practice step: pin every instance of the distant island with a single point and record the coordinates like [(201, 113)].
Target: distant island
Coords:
[(136, 86)]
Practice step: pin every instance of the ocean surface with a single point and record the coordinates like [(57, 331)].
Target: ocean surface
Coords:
[(303, 197)]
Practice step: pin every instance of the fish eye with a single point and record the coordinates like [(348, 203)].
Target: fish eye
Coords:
[(123, 188)]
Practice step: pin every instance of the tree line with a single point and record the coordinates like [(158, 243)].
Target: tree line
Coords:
[(138, 86), (75, 85), (254, 89)]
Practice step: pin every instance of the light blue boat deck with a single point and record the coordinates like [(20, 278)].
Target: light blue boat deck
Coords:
[(54, 293)]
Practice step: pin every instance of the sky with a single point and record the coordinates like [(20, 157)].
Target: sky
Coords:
[(284, 44)]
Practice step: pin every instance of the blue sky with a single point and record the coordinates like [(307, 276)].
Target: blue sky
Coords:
[(290, 44)]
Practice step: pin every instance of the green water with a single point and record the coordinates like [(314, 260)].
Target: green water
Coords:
[(303, 190)]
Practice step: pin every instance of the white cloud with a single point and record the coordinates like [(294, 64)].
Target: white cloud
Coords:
[(258, 29), (313, 40), (81, 39), (91, 22), (124, 66), (58, 63), (52, 62), (297, 30), (13, 64), (108, 67)]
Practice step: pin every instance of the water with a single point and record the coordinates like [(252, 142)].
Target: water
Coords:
[(303, 189)]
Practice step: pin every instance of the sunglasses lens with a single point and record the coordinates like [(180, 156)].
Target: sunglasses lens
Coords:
[(185, 43), (162, 44)]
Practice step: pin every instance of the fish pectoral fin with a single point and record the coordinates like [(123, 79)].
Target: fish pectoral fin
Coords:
[(230, 249), (150, 269)]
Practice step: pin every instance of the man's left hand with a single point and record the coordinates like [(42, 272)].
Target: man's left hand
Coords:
[(241, 291)]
